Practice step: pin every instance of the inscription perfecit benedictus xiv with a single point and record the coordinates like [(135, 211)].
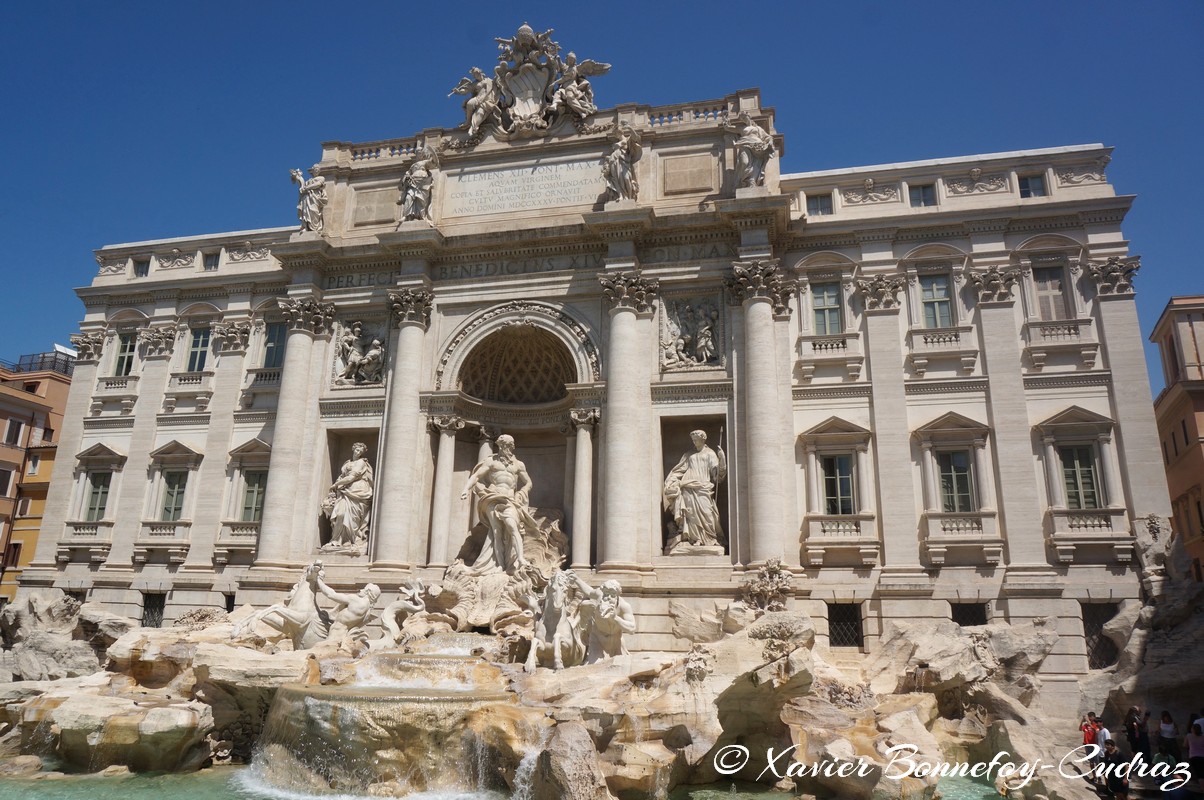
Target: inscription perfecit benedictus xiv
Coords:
[(521, 188), (517, 266)]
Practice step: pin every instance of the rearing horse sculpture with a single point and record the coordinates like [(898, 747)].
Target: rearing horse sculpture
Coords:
[(556, 637), (298, 617)]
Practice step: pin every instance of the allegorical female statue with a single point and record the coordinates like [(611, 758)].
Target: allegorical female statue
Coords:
[(618, 166), (311, 200), (689, 494), (754, 148), (350, 501)]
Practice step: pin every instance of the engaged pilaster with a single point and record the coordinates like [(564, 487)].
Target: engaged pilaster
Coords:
[(764, 294), (396, 540), (306, 318), (447, 427), (632, 296)]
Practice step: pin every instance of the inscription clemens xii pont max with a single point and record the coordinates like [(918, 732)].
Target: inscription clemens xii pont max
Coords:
[(508, 189)]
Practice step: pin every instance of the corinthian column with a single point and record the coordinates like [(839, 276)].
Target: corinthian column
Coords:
[(626, 396), (764, 294), (583, 421), (306, 318), (447, 427), (396, 539)]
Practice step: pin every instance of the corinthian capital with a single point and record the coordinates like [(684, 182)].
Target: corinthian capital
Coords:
[(88, 346), (753, 279), (584, 418), (880, 292), (412, 306), (232, 337), (994, 284), (630, 290), (160, 340), (307, 313), (1114, 276)]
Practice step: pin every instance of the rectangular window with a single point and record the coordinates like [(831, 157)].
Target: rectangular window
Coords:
[(957, 481), (141, 267), (23, 507), (819, 205), (12, 555), (13, 434), (923, 195), (1101, 651), (6, 479), (844, 625), (229, 602), (825, 299), (127, 346), (1079, 476), (969, 614), (1032, 186), (174, 484), (98, 495), (1050, 283), (1183, 427), (254, 483), (273, 345), (31, 387), (838, 484), (152, 609), (35, 462), (198, 349), (936, 301), (210, 261)]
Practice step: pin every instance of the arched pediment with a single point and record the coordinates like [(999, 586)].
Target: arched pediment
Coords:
[(555, 320)]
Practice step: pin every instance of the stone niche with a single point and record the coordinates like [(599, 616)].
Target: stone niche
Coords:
[(338, 448), (675, 443)]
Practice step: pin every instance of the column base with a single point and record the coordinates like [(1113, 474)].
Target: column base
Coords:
[(390, 566), (624, 567)]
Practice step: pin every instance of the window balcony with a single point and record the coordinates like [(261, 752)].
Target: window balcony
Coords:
[(928, 345), (1075, 533), (828, 533), (1045, 338), (841, 350), (120, 391), (261, 380), (972, 532), (158, 536), (196, 387), (93, 539), (236, 539)]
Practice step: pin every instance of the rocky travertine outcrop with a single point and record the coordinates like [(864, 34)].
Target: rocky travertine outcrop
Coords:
[(48, 635)]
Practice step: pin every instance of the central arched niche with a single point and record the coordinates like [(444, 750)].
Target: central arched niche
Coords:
[(519, 364)]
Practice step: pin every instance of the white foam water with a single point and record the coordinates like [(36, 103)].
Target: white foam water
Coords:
[(250, 785)]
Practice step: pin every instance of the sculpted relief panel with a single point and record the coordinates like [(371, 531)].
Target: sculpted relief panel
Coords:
[(692, 334), (360, 355)]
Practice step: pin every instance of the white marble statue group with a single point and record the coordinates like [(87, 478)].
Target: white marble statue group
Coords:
[(568, 622)]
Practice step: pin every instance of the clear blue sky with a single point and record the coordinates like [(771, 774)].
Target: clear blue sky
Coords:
[(127, 121)]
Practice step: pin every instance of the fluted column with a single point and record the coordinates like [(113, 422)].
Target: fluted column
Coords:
[(583, 421), (306, 318), (1053, 473), (396, 537), (447, 427), (763, 293), (983, 471), (814, 482), (861, 467), (626, 395)]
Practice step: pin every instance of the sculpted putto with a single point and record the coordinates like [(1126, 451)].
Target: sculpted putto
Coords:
[(349, 502), (689, 493), (312, 200), (481, 103), (573, 90)]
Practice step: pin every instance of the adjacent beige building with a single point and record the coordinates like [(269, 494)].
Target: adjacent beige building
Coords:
[(33, 394), (1179, 408), (927, 377)]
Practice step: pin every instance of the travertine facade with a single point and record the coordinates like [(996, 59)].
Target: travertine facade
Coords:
[(927, 378)]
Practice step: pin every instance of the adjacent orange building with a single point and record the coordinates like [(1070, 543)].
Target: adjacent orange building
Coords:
[(1179, 409), (33, 395)]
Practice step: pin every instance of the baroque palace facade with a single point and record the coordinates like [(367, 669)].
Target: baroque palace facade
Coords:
[(926, 378)]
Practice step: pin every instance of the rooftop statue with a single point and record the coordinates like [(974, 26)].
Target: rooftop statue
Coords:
[(416, 187), (754, 148), (531, 90), (618, 166), (312, 200)]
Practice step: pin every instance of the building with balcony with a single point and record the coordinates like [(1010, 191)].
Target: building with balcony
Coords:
[(927, 377), (1179, 408), (33, 396)]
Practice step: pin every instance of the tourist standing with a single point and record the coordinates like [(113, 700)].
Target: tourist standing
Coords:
[(1168, 734), (1113, 760), (1195, 752)]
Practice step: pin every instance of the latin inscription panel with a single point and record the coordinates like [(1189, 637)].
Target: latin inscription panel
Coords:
[(505, 190)]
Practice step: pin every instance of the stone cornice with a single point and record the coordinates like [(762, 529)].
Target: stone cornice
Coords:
[(669, 392), (364, 407), (1058, 380), (950, 386)]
